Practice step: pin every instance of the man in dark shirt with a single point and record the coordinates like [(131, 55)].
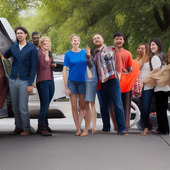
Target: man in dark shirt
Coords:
[(36, 38), (23, 71)]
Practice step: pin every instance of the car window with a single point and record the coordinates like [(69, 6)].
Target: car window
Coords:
[(59, 67)]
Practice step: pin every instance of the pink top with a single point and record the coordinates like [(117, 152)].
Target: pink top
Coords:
[(44, 71)]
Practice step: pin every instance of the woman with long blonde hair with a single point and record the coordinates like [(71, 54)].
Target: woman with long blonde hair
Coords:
[(142, 54), (44, 83)]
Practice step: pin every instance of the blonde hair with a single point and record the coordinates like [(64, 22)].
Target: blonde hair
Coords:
[(44, 38), (72, 35), (145, 57)]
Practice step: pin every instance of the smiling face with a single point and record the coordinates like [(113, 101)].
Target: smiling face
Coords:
[(46, 45), (118, 41), (35, 39), (75, 41), (154, 48), (141, 50), (21, 36), (98, 40)]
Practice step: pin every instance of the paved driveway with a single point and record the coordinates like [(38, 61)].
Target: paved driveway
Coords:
[(64, 151)]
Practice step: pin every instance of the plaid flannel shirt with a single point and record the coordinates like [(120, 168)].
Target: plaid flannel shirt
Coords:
[(105, 62)]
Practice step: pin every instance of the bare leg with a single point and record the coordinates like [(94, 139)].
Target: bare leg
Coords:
[(145, 131), (93, 110), (82, 110), (112, 115), (87, 119), (75, 113)]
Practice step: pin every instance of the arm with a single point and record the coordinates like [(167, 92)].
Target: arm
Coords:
[(6, 54), (89, 57), (65, 78), (33, 71), (129, 65), (43, 60)]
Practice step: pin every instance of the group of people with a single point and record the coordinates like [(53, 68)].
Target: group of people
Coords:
[(110, 72), (30, 60)]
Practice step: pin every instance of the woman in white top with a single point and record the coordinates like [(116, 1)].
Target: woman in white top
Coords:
[(147, 92), (142, 58)]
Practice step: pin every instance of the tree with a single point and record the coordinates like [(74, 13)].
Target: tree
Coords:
[(10, 10), (140, 21)]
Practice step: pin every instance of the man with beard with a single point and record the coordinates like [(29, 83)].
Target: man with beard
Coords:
[(110, 86), (36, 38)]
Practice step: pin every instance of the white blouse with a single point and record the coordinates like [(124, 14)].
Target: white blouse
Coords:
[(156, 63)]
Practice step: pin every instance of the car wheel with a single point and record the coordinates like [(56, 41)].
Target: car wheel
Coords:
[(135, 114)]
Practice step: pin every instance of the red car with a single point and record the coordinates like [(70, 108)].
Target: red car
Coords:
[(7, 38)]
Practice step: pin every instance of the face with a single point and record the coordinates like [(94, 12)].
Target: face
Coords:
[(141, 50), (46, 45), (35, 39), (75, 42), (153, 47), (98, 40), (119, 41), (21, 36)]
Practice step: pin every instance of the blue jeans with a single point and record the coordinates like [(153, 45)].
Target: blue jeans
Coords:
[(110, 93), (46, 92), (146, 100), (19, 96)]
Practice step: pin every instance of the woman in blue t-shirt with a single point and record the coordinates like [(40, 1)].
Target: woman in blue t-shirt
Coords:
[(74, 82)]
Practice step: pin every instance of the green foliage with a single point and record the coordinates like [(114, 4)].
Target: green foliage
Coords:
[(140, 21), (10, 9)]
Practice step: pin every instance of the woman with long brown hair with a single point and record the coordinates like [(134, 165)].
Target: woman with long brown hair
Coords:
[(147, 92)]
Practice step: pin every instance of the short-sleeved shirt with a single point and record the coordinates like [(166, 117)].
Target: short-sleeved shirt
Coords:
[(126, 58), (77, 63)]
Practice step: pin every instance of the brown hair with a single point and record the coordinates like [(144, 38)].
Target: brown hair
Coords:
[(76, 35), (145, 57), (97, 34)]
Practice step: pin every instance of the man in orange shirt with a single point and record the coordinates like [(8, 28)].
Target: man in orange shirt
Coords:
[(126, 68)]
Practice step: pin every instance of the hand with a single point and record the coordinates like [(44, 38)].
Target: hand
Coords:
[(30, 89), (46, 53), (68, 92), (53, 65), (2, 57), (88, 50)]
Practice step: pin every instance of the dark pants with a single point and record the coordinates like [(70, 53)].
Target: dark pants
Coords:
[(126, 99), (110, 93), (161, 111), (146, 100), (46, 92)]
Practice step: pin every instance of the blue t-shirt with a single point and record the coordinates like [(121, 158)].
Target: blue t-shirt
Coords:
[(77, 63)]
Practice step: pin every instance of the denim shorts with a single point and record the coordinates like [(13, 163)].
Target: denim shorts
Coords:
[(76, 87), (90, 91)]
